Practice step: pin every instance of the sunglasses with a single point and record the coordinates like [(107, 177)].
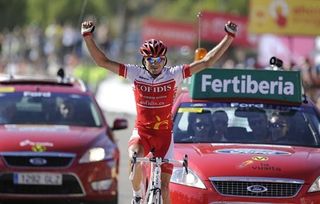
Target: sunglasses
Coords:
[(155, 60)]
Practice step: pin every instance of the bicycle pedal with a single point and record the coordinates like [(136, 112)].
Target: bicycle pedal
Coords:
[(136, 200)]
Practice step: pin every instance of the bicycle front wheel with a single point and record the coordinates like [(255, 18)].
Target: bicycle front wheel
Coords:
[(158, 197), (155, 197)]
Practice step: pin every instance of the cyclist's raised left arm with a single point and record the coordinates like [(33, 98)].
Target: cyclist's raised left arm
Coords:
[(214, 54)]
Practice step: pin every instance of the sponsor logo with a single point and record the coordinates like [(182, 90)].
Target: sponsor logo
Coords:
[(144, 78), (38, 161), (260, 158), (32, 143), (253, 84), (257, 189), (245, 84), (37, 94), (154, 89), (252, 151), (38, 148), (262, 166)]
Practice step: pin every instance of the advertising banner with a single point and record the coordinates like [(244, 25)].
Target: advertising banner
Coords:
[(247, 84), (211, 30), (286, 17), (172, 33), (212, 27)]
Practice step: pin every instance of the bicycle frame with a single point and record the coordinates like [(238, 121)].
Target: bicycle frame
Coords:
[(153, 193)]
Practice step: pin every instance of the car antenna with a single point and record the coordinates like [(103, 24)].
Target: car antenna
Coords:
[(199, 15), (199, 52)]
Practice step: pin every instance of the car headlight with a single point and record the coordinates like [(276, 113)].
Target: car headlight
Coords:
[(190, 179), (315, 186), (96, 154)]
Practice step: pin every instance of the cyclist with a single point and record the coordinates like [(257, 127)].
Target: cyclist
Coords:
[(155, 85)]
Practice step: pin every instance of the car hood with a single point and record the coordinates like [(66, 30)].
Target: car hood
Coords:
[(214, 160), (47, 138)]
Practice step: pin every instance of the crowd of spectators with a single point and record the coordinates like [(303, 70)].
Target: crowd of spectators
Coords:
[(31, 49)]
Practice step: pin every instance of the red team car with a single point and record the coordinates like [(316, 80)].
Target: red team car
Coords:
[(251, 136), (55, 142)]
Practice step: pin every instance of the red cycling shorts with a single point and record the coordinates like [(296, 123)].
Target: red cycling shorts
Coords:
[(160, 141)]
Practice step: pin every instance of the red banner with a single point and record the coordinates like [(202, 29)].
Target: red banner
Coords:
[(212, 27), (171, 33)]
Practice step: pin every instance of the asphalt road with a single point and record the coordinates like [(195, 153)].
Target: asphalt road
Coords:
[(122, 137)]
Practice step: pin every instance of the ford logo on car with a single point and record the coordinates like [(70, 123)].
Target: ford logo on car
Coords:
[(38, 161), (257, 189)]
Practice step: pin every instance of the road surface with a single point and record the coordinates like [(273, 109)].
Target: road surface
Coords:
[(122, 136)]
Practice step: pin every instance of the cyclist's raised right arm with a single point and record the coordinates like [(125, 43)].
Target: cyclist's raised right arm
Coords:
[(98, 56)]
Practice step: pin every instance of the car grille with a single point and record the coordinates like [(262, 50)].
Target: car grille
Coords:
[(70, 186), (38, 159), (256, 186)]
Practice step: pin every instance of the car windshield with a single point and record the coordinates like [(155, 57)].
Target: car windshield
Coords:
[(246, 123), (47, 108)]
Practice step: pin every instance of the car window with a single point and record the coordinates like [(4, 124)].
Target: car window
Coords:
[(48, 108), (248, 123)]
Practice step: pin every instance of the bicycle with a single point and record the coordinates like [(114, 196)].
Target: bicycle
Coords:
[(153, 193)]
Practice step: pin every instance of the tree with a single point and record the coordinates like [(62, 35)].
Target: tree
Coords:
[(187, 10), (12, 14), (73, 11)]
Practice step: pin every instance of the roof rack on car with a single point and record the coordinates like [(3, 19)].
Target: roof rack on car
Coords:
[(61, 79)]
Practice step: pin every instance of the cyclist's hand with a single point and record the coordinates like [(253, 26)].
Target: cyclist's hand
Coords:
[(231, 28), (87, 28)]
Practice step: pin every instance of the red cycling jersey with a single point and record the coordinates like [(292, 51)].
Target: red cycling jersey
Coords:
[(154, 96), (154, 100)]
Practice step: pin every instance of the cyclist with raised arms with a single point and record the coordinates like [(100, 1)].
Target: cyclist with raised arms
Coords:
[(155, 85)]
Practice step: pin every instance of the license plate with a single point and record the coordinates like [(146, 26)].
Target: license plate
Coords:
[(37, 178)]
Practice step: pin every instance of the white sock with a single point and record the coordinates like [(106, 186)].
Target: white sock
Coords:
[(137, 193)]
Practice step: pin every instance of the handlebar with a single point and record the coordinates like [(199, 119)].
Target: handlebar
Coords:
[(157, 160)]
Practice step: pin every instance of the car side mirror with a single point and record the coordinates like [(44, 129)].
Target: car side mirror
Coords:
[(120, 124)]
